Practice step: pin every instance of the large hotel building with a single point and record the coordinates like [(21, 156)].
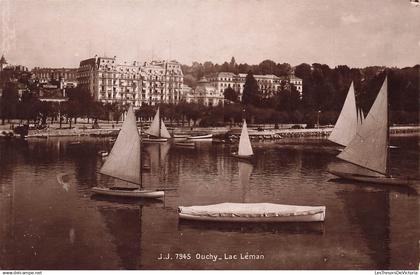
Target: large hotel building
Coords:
[(210, 89), (110, 80)]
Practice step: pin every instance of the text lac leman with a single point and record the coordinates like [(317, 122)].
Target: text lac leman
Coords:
[(211, 256)]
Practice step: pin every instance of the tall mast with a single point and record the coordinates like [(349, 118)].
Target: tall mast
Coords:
[(160, 123), (141, 155), (387, 120)]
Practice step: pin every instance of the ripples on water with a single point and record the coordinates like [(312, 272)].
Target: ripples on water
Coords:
[(57, 224)]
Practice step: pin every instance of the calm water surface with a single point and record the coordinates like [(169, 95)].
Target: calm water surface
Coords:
[(50, 220)]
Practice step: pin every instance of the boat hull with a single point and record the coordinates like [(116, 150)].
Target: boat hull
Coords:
[(136, 193), (181, 136), (252, 212), (207, 137), (371, 179), (153, 140), (235, 155)]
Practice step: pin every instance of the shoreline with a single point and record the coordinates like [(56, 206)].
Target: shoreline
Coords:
[(81, 130)]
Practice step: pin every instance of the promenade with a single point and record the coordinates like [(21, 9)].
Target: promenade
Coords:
[(110, 129)]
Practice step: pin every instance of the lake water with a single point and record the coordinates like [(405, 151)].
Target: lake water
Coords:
[(50, 220)]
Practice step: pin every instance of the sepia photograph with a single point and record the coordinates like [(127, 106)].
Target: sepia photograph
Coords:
[(209, 135)]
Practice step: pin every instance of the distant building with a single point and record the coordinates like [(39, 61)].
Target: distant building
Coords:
[(186, 93), (162, 82), (110, 80), (206, 94), (269, 85), (298, 83), (67, 77), (3, 63)]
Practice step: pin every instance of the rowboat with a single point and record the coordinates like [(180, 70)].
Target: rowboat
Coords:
[(152, 140), (127, 192), (181, 136), (252, 212), (209, 136)]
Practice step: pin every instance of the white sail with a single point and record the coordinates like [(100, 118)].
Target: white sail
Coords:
[(369, 147), (245, 148), (123, 161), (163, 131), (154, 127), (346, 125)]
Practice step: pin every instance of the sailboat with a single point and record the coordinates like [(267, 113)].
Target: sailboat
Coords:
[(368, 149), (350, 119), (251, 212), (124, 162), (157, 131), (245, 149)]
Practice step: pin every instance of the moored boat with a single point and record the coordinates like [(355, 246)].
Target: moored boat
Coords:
[(252, 212), (152, 139), (127, 192), (181, 136), (207, 137)]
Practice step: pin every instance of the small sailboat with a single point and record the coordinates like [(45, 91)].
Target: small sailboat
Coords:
[(245, 149), (157, 131), (350, 119), (124, 162), (251, 212), (368, 149)]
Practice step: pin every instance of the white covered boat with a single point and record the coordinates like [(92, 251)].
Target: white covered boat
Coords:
[(253, 212), (124, 164)]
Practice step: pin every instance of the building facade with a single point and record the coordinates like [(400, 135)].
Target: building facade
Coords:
[(269, 85), (66, 77), (110, 80), (162, 82), (206, 94)]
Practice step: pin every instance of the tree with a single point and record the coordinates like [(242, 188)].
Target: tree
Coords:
[(9, 101), (233, 66), (251, 94), (231, 94), (267, 67), (29, 106)]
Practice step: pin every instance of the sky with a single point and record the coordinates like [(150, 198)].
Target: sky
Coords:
[(357, 33)]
